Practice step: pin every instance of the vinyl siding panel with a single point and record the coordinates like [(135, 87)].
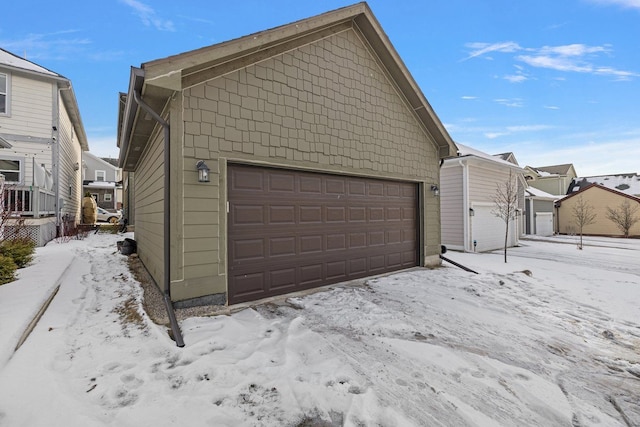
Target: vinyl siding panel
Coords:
[(149, 207), (483, 182), (452, 206), (31, 109), (70, 154)]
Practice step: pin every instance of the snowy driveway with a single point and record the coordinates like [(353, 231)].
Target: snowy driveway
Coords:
[(550, 339)]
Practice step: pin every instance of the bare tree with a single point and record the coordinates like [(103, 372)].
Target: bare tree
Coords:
[(583, 215), (506, 205), (624, 216)]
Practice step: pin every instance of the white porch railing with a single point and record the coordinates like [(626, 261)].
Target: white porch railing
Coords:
[(30, 201)]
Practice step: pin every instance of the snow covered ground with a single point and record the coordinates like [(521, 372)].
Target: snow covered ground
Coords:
[(552, 338)]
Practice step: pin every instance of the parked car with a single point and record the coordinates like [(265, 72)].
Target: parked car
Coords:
[(106, 216)]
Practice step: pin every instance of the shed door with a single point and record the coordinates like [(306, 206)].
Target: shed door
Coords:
[(488, 230), (544, 223), (291, 230)]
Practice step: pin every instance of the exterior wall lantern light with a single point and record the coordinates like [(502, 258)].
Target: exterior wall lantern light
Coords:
[(435, 190), (203, 171), (471, 212)]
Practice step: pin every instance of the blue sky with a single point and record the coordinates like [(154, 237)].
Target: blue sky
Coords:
[(552, 81)]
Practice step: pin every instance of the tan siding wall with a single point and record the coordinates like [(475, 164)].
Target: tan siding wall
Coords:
[(326, 106), (149, 192), (555, 186), (70, 179), (452, 206), (31, 108), (599, 199)]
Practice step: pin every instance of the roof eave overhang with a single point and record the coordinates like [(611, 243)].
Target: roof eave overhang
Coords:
[(128, 112), (69, 99)]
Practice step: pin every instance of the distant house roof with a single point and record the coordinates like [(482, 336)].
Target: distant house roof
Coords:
[(553, 170), (14, 61), (537, 193), (628, 183), (111, 161), (594, 185), (466, 151)]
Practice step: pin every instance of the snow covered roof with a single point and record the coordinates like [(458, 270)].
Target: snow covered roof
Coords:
[(466, 151), (553, 170), (535, 192), (11, 60), (628, 183)]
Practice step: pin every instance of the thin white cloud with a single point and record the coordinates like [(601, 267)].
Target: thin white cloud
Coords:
[(480, 49), (494, 135), (514, 102), (516, 78), (528, 128), (551, 107), (148, 16), (631, 4), (570, 58), (41, 46), (466, 97)]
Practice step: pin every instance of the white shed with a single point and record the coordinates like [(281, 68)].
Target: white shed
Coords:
[(468, 185)]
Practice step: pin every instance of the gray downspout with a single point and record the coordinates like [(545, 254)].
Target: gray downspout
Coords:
[(175, 328)]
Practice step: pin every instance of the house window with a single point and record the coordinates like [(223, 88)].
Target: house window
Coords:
[(4, 94), (11, 169), (107, 197), (101, 176)]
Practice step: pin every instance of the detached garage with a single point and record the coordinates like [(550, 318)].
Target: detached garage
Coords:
[(289, 159)]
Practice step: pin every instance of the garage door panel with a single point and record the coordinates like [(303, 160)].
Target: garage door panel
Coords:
[(247, 181), (336, 214), (311, 185), (283, 279), (292, 230), (375, 189), (310, 214), (311, 244), (282, 214), (250, 284), (335, 186), (248, 214), (336, 270), (311, 274), (282, 246), (357, 188), (376, 238), (279, 182), (248, 249)]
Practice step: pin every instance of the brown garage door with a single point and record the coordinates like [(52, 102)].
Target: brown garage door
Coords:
[(291, 230)]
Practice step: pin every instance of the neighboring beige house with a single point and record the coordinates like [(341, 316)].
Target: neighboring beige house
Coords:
[(554, 180), (321, 152), (103, 180), (628, 183), (599, 198), (43, 139), (468, 185)]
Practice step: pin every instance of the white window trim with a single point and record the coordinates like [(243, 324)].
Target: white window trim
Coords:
[(107, 197), (104, 176), (20, 161), (7, 95)]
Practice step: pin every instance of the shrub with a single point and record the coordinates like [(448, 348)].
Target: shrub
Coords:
[(7, 270), (20, 250)]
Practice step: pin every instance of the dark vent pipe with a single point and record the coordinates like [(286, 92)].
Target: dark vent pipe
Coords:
[(175, 328)]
